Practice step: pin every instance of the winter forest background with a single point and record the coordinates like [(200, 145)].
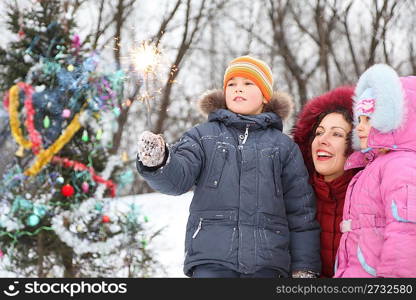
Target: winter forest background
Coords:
[(312, 47)]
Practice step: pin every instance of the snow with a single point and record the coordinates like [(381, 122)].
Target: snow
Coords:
[(170, 212)]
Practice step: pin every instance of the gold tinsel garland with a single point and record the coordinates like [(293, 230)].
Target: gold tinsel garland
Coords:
[(45, 155)]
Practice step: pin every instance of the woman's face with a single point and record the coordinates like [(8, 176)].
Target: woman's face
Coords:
[(329, 146)]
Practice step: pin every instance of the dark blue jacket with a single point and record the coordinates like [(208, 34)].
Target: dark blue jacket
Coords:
[(252, 206)]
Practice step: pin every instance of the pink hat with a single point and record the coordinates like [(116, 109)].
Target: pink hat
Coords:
[(365, 104)]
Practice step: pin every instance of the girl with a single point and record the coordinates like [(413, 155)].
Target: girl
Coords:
[(379, 219)]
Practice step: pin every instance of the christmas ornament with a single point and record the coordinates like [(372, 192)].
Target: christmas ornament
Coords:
[(20, 152), (40, 211), (106, 219), (85, 187), (21, 33), (116, 111), (99, 134), (80, 228), (46, 122), (124, 156), (85, 136), (98, 206), (60, 180), (66, 113), (33, 220), (67, 190)]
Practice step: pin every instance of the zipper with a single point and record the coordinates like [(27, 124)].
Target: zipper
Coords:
[(198, 229), (245, 135)]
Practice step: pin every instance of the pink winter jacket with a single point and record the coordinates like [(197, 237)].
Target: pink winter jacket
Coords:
[(379, 218)]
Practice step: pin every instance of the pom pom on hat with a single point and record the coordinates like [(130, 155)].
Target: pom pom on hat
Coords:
[(254, 69)]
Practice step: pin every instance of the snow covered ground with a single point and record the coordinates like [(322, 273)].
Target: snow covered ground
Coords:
[(172, 213)]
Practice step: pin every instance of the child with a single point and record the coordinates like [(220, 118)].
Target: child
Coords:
[(253, 211), (379, 218)]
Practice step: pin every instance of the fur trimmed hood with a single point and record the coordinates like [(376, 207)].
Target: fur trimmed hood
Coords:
[(395, 107), (307, 118), (281, 103)]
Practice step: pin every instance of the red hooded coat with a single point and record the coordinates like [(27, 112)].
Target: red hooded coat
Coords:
[(329, 195)]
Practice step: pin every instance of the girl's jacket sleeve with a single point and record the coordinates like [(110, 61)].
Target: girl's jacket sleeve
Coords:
[(182, 167), (398, 190)]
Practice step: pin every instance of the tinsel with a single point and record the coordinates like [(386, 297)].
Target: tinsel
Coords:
[(14, 118), (77, 166), (34, 135), (82, 246), (46, 155)]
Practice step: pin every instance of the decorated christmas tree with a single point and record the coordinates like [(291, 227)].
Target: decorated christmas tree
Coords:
[(59, 214)]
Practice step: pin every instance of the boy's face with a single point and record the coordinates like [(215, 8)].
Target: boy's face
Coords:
[(243, 96)]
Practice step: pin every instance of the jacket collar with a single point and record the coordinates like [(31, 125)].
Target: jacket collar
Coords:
[(262, 120)]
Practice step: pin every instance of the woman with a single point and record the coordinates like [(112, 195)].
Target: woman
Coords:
[(323, 131)]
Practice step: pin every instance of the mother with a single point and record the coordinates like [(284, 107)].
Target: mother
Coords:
[(323, 131)]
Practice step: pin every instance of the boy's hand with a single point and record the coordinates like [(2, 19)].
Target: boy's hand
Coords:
[(151, 149), (304, 274)]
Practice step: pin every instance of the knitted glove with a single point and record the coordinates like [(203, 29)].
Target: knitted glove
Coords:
[(151, 149), (304, 274)]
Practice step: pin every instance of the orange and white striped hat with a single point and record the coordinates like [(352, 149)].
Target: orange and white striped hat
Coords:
[(254, 69)]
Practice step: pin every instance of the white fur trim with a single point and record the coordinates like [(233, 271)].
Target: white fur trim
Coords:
[(389, 107)]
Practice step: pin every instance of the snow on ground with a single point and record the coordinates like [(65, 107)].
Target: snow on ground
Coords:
[(170, 212)]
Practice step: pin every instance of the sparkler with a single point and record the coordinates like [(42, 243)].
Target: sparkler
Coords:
[(146, 60)]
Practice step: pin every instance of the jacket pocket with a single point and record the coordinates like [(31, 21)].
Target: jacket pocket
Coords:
[(403, 206), (213, 235), (274, 237), (216, 166), (370, 242)]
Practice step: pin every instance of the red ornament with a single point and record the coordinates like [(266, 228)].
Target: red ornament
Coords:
[(106, 219), (21, 33), (67, 190)]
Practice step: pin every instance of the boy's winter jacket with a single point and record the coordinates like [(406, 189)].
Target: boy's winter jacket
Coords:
[(252, 206)]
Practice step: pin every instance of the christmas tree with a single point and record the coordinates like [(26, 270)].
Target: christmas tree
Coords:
[(58, 214)]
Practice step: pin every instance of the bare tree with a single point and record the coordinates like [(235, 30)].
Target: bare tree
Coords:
[(278, 13), (192, 26)]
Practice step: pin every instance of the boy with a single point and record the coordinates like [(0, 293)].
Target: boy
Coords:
[(253, 211)]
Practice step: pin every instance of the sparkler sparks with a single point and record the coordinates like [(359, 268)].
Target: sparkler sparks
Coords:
[(146, 60)]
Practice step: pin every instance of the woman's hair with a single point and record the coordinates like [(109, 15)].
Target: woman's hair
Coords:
[(347, 117)]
